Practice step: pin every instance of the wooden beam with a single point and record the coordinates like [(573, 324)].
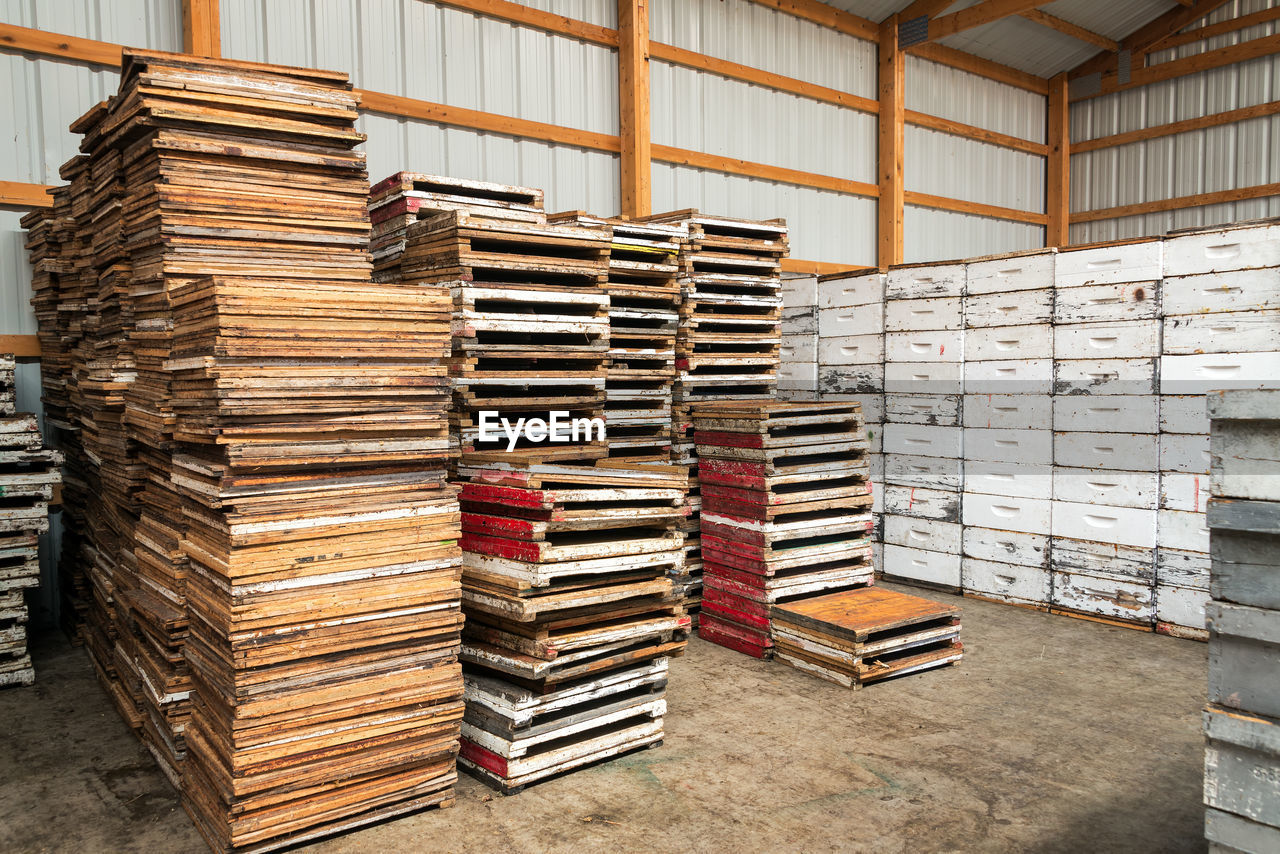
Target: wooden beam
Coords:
[(1142, 38), (39, 42), (526, 16), (826, 16), (1271, 108), (633, 107), (943, 203), (982, 67), (923, 9), (889, 166), (22, 346), (445, 114), (1209, 31), (1175, 68), (763, 171), (820, 268), (201, 28), (780, 83), (1058, 167), (1067, 28), (937, 123), (1219, 197), (987, 12), (15, 194)]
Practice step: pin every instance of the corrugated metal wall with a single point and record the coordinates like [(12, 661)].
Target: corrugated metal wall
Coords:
[(945, 165), (433, 53), (1203, 161), (705, 112)]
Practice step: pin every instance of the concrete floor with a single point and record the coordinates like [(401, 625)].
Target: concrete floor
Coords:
[(1052, 735)]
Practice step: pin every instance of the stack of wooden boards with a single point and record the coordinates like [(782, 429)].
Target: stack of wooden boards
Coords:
[(406, 197), (729, 337), (281, 602), (855, 637), (571, 616), (1045, 433), (28, 474), (530, 326), (1242, 720), (644, 300), (785, 511)]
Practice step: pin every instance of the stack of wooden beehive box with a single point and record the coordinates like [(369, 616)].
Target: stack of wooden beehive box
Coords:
[(1242, 720), (1008, 421), (401, 199), (644, 298), (530, 325), (1106, 429), (924, 347), (785, 511), (850, 366), (798, 356), (571, 615), (28, 474), (1220, 312), (729, 337)]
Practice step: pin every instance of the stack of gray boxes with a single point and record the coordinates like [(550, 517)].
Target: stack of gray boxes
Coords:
[(798, 357), (1242, 720), (1008, 427), (1106, 425), (850, 362), (924, 387), (1220, 310)]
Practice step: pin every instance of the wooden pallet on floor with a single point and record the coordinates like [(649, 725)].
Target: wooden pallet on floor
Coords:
[(856, 637)]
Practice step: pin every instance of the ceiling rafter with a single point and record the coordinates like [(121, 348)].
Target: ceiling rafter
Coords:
[(1143, 38), (1065, 27)]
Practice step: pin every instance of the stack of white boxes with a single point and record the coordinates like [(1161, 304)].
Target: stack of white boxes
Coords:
[(851, 363), (1106, 428), (1008, 428), (1242, 720), (1221, 330), (924, 387), (798, 358)]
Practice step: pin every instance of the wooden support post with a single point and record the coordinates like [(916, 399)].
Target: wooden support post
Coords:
[(201, 29), (633, 106), (889, 170), (1058, 168)]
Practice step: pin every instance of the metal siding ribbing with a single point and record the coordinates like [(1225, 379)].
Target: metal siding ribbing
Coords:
[(1226, 157), (755, 35), (942, 164), (708, 113), (450, 56), (934, 235), (155, 24)]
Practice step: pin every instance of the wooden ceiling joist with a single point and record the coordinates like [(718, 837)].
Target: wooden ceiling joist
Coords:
[(986, 12), (1067, 28), (1142, 39)]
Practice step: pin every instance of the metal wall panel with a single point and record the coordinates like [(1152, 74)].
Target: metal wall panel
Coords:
[(155, 24), (706, 112), (941, 90), (934, 235), (755, 35), (942, 164), (824, 226), (435, 53), (1220, 158)]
